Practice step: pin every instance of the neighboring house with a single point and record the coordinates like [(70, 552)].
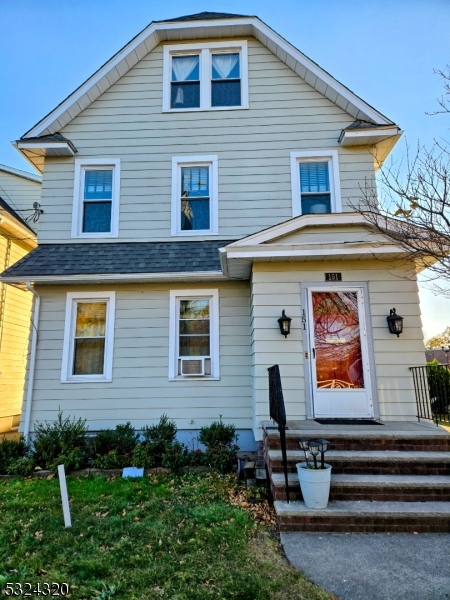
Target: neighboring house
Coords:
[(441, 356), (198, 184), (18, 192)]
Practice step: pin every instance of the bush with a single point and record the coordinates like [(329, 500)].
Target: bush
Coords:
[(142, 457), (439, 387), (61, 442), (114, 447), (217, 434), (221, 458), (159, 438), (176, 457), (14, 459)]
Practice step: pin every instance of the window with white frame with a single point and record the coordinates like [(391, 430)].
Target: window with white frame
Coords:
[(315, 182), (205, 76), (194, 334), (88, 337), (96, 198), (194, 195)]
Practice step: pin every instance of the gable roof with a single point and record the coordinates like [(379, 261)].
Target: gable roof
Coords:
[(198, 26), (20, 173)]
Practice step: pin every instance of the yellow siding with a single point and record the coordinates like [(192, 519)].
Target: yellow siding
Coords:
[(253, 148), (15, 314)]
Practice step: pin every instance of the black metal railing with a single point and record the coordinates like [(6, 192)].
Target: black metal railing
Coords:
[(278, 414), (432, 388)]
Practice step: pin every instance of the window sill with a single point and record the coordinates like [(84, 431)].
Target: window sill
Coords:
[(209, 109), (191, 378), (87, 380), (193, 232), (90, 236)]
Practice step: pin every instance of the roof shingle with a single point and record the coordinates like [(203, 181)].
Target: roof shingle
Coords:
[(119, 258)]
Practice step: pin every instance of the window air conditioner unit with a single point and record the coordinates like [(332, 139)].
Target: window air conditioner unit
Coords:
[(192, 366)]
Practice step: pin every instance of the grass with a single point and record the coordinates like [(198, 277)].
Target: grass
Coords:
[(145, 539)]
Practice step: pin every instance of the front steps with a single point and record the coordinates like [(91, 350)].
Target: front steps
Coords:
[(385, 480)]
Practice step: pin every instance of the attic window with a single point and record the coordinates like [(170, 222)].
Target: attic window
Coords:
[(205, 76)]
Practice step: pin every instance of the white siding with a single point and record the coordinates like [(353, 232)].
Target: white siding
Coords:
[(253, 147), (277, 286), (140, 391)]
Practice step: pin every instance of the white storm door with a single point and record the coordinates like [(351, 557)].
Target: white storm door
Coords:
[(340, 371)]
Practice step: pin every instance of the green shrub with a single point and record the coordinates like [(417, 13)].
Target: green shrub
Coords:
[(142, 457), (122, 441), (11, 450), (176, 457), (21, 466), (221, 458), (439, 387), (111, 460), (217, 434), (159, 438), (62, 441)]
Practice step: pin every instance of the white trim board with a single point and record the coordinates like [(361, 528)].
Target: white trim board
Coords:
[(69, 332), (243, 27), (213, 295)]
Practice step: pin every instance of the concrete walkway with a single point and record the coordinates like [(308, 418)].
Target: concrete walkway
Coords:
[(399, 566)]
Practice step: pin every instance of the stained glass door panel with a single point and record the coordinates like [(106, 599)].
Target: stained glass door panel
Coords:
[(339, 362)]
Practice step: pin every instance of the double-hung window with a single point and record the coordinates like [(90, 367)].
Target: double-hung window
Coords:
[(96, 198), (194, 195), (194, 334), (88, 337), (315, 182), (205, 76)]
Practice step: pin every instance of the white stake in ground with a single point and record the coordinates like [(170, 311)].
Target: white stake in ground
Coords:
[(64, 496)]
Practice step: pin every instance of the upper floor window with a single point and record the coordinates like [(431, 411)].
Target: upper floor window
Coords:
[(315, 182), (205, 76), (194, 195), (96, 198)]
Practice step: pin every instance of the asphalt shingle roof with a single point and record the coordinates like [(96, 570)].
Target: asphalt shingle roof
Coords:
[(119, 258), (203, 16), (6, 207)]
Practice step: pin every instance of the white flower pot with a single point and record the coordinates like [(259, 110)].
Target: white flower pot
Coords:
[(315, 485)]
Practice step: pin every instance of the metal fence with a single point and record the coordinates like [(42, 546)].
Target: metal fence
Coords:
[(432, 388)]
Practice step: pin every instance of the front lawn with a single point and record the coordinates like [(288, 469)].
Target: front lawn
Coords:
[(144, 539)]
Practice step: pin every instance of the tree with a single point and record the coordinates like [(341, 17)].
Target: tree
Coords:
[(438, 341), (413, 209)]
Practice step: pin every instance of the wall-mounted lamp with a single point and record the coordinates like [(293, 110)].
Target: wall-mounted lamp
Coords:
[(285, 324), (395, 323)]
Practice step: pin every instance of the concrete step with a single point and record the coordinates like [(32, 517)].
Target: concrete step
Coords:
[(389, 462), (434, 440), (368, 517), (396, 488)]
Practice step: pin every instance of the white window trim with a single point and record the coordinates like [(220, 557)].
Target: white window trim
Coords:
[(77, 216), (205, 51), (332, 157), (69, 336), (175, 296), (212, 162)]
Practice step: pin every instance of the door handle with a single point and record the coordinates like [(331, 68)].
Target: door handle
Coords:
[(314, 352)]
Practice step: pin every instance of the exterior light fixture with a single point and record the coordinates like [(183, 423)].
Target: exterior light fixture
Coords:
[(395, 323), (314, 449), (285, 324), (323, 446)]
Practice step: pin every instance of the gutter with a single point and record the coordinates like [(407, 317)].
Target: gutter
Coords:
[(34, 338)]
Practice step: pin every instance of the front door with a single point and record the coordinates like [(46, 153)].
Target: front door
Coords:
[(340, 372)]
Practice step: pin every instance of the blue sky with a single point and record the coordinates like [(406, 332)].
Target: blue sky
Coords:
[(384, 51)]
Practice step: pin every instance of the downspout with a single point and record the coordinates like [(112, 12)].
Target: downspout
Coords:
[(34, 338)]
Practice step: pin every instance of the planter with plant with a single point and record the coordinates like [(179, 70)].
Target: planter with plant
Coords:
[(314, 475)]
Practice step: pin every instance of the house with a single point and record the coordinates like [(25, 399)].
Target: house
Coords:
[(18, 192), (200, 183)]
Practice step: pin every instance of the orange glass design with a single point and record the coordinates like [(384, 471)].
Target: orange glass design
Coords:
[(337, 340)]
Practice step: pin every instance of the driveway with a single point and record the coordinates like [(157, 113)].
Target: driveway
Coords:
[(359, 566)]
